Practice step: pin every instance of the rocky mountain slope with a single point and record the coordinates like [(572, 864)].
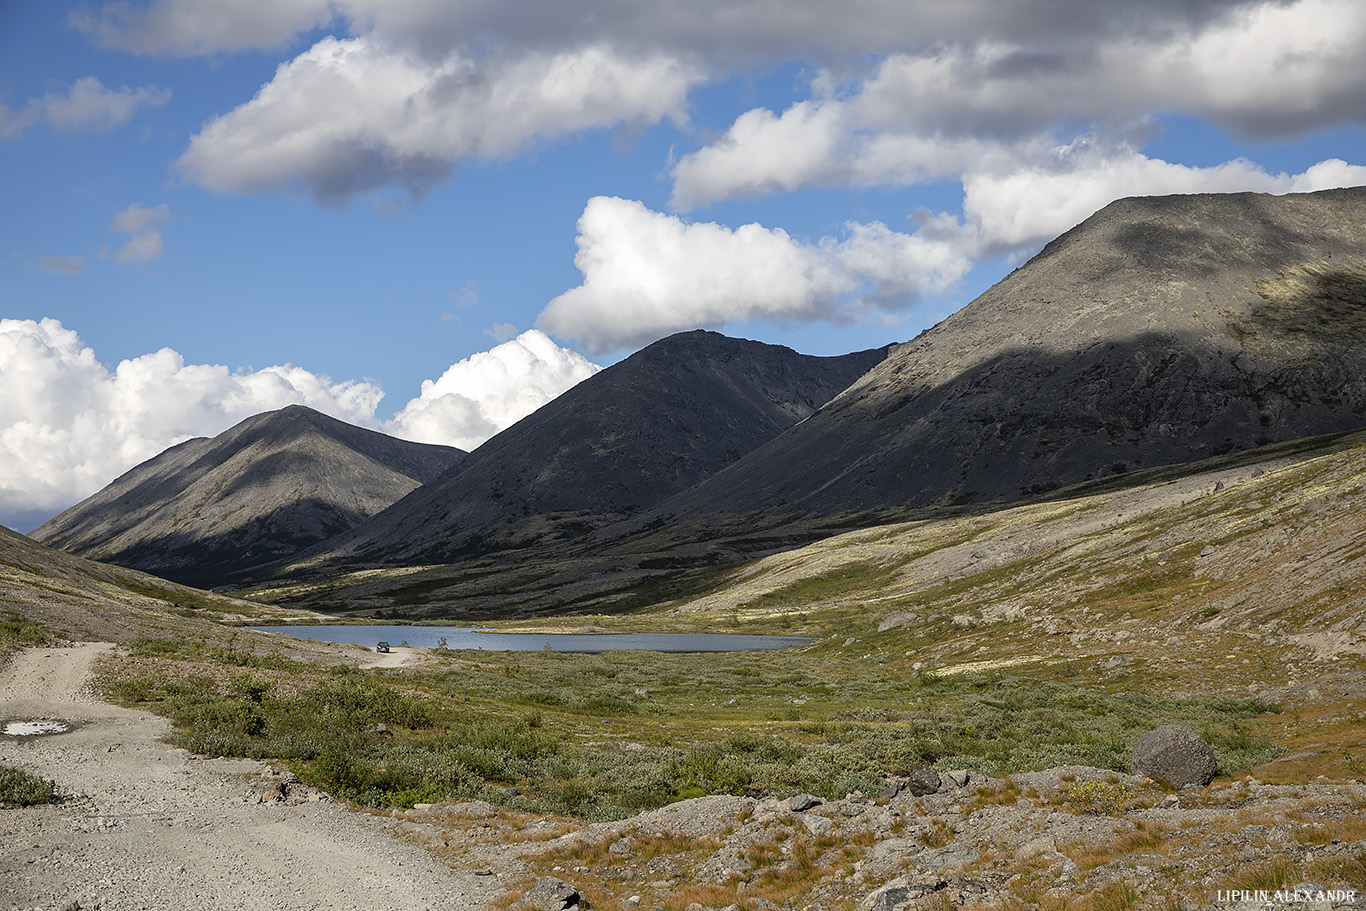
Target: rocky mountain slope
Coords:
[(260, 491), (621, 441), (1159, 331)]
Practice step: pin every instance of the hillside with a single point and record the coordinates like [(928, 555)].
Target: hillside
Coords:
[(47, 592), (621, 441), (1159, 331), (260, 491)]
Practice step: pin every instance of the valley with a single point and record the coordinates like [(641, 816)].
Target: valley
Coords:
[(1123, 489)]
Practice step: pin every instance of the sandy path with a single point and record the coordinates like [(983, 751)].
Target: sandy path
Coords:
[(146, 826), (398, 656)]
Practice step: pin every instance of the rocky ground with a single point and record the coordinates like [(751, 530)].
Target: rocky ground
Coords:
[(1065, 837), (143, 825)]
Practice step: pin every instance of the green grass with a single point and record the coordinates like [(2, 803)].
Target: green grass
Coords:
[(20, 632), (19, 788), (845, 580), (605, 736)]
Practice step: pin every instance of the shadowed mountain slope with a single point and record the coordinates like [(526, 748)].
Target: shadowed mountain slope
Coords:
[(1159, 331), (261, 491), (654, 424)]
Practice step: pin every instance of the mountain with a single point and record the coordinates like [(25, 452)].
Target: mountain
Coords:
[(262, 491), (654, 424), (1159, 331)]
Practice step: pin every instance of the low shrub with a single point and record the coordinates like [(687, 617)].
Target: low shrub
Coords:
[(19, 788)]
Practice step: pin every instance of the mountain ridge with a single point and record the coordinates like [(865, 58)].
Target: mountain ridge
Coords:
[(653, 424), (264, 489)]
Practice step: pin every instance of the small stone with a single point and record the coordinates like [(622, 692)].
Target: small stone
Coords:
[(1044, 844)]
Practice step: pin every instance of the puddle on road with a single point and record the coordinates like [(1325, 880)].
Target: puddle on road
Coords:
[(33, 728)]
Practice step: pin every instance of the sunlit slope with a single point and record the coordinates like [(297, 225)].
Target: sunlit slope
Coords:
[(81, 599), (1260, 545)]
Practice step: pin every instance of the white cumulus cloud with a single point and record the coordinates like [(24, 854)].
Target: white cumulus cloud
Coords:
[(646, 274), (490, 391), (87, 105), (353, 115), (1020, 204), (70, 424)]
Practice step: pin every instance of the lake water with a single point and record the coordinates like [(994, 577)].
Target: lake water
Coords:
[(591, 643)]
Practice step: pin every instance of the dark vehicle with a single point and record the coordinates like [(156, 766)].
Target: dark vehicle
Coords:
[(382, 647)]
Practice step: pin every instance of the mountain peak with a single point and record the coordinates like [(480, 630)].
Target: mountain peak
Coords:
[(651, 425), (262, 490)]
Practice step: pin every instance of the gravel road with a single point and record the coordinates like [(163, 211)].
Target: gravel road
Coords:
[(142, 825)]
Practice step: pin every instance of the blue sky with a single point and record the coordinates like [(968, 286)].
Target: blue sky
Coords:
[(215, 208)]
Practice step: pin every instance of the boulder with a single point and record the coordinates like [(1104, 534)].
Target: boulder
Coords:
[(549, 894), (888, 857), (817, 825), (922, 781), (1174, 755), (896, 894), (897, 620), (799, 803)]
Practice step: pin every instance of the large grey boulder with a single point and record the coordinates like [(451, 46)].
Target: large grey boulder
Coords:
[(923, 781), (550, 894), (1174, 755), (897, 620)]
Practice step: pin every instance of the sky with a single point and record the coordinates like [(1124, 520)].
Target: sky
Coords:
[(429, 217)]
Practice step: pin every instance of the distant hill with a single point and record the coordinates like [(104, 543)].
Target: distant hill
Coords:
[(262, 491), (654, 424), (1159, 331)]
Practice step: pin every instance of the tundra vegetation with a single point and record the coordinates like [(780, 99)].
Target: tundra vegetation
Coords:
[(605, 736)]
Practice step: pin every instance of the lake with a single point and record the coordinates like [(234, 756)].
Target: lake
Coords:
[(591, 643)]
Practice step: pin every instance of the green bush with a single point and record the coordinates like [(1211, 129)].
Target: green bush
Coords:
[(19, 788)]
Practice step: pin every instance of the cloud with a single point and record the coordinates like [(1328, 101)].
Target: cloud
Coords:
[(70, 424), (354, 115), (64, 265), (1020, 204), (646, 274), (743, 31), (87, 106), (489, 391), (1262, 70), (188, 27), (407, 89), (143, 225)]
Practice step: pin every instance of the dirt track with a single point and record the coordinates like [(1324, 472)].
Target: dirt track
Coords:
[(143, 825)]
